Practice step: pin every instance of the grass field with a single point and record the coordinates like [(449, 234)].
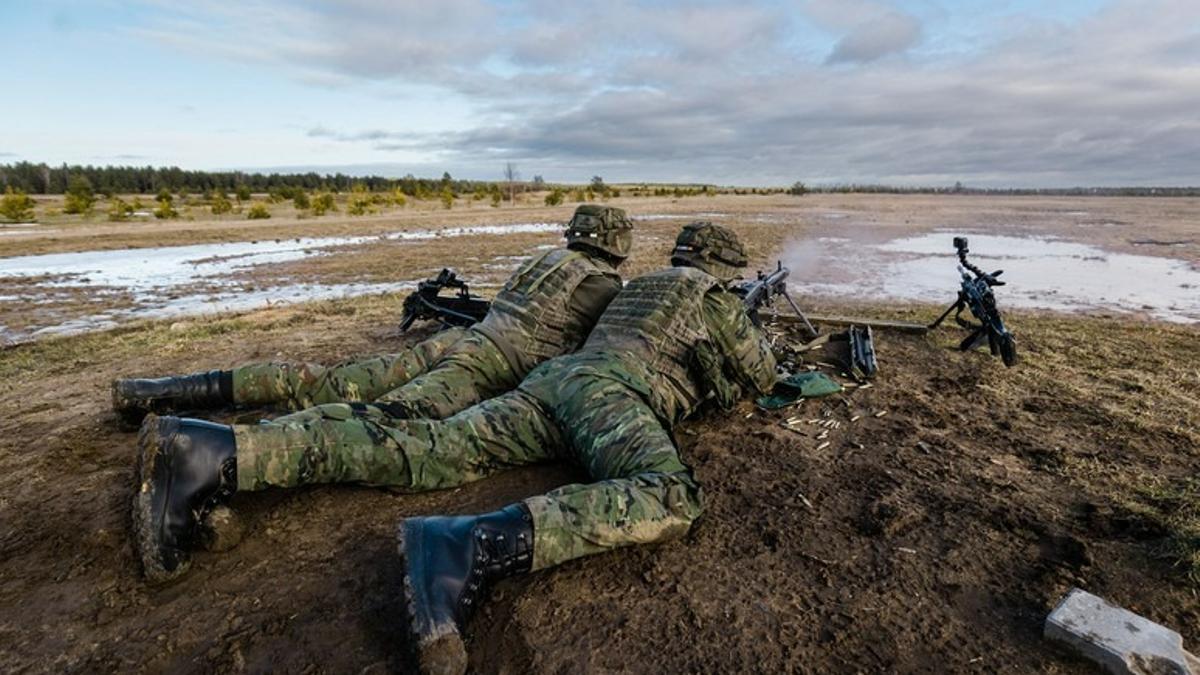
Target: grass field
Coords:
[(941, 532)]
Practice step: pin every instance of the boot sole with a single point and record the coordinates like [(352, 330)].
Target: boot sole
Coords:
[(145, 533), (439, 647)]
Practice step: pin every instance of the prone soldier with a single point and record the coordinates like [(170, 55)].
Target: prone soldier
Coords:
[(667, 343), (546, 308)]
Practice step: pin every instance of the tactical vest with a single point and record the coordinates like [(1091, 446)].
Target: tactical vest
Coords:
[(656, 322), (530, 319)]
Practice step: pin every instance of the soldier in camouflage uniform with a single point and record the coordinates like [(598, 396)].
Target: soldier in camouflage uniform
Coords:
[(546, 308), (669, 341)]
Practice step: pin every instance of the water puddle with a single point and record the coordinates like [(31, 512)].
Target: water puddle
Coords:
[(174, 281), (1045, 273), (678, 216)]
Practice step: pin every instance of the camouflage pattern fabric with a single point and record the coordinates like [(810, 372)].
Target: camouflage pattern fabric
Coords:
[(604, 228), (547, 308), (713, 248), (596, 408), (473, 369), (643, 491), (297, 386)]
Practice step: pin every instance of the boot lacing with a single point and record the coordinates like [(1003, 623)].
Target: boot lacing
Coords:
[(494, 559)]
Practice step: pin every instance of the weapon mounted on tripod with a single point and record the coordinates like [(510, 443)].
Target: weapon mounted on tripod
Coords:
[(976, 294)]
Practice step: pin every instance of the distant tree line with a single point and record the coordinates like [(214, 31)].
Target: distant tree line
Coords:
[(31, 178), (108, 180)]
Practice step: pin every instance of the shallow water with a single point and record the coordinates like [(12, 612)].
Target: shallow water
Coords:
[(1045, 273), (232, 301), (678, 216), (174, 281)]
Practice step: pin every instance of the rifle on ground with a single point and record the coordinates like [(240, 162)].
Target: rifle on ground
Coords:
[(460, 309), (976, 294), (762, 292)]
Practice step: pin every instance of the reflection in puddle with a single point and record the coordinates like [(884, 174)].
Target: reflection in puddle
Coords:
[(179, 280), (1041, 273), (678, 216)]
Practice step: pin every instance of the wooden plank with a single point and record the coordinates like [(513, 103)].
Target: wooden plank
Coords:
[(879, 324)]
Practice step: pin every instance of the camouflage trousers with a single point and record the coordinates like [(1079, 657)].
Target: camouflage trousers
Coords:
[(642, 493), (449, 372)]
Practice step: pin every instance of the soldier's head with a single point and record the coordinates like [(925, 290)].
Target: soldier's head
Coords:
[(711, 248), (604, 229)]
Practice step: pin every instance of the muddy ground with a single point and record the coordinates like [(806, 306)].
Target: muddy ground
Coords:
[(935, 537)]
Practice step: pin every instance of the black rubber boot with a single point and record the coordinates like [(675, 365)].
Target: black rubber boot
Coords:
[(449, 565), (185, 468), (135, 398)]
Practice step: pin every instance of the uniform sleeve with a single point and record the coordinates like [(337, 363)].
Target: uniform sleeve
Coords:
[(748, 357), (590, 298)]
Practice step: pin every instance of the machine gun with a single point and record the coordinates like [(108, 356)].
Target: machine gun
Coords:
[(460, 309), (976, 295), (854, 347), (762, 291)]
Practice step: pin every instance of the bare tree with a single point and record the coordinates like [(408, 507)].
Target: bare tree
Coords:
[(511, 175)]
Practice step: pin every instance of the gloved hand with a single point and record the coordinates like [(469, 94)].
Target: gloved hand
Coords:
[(710, 367)]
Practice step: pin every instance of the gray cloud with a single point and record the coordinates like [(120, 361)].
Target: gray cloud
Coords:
[(735, 92), (891, 34)]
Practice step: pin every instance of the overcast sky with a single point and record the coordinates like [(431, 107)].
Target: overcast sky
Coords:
[(926, 92)]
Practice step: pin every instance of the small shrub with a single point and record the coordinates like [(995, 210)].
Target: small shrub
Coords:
[(243, 193), (119, 209), (447, 198), (300, 200), (496, 197), (554, 198), (258, 211), (79, 198), (166, 210), (16, 206), (359, 205), (221, 204), (323, 203)]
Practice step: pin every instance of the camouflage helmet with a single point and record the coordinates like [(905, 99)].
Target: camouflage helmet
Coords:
[(604, 228), (712, 248)]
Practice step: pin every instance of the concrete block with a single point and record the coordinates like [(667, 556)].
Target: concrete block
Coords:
[(1116, 639)]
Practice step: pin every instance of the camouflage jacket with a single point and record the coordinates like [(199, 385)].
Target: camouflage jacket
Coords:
[(549, 306)]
